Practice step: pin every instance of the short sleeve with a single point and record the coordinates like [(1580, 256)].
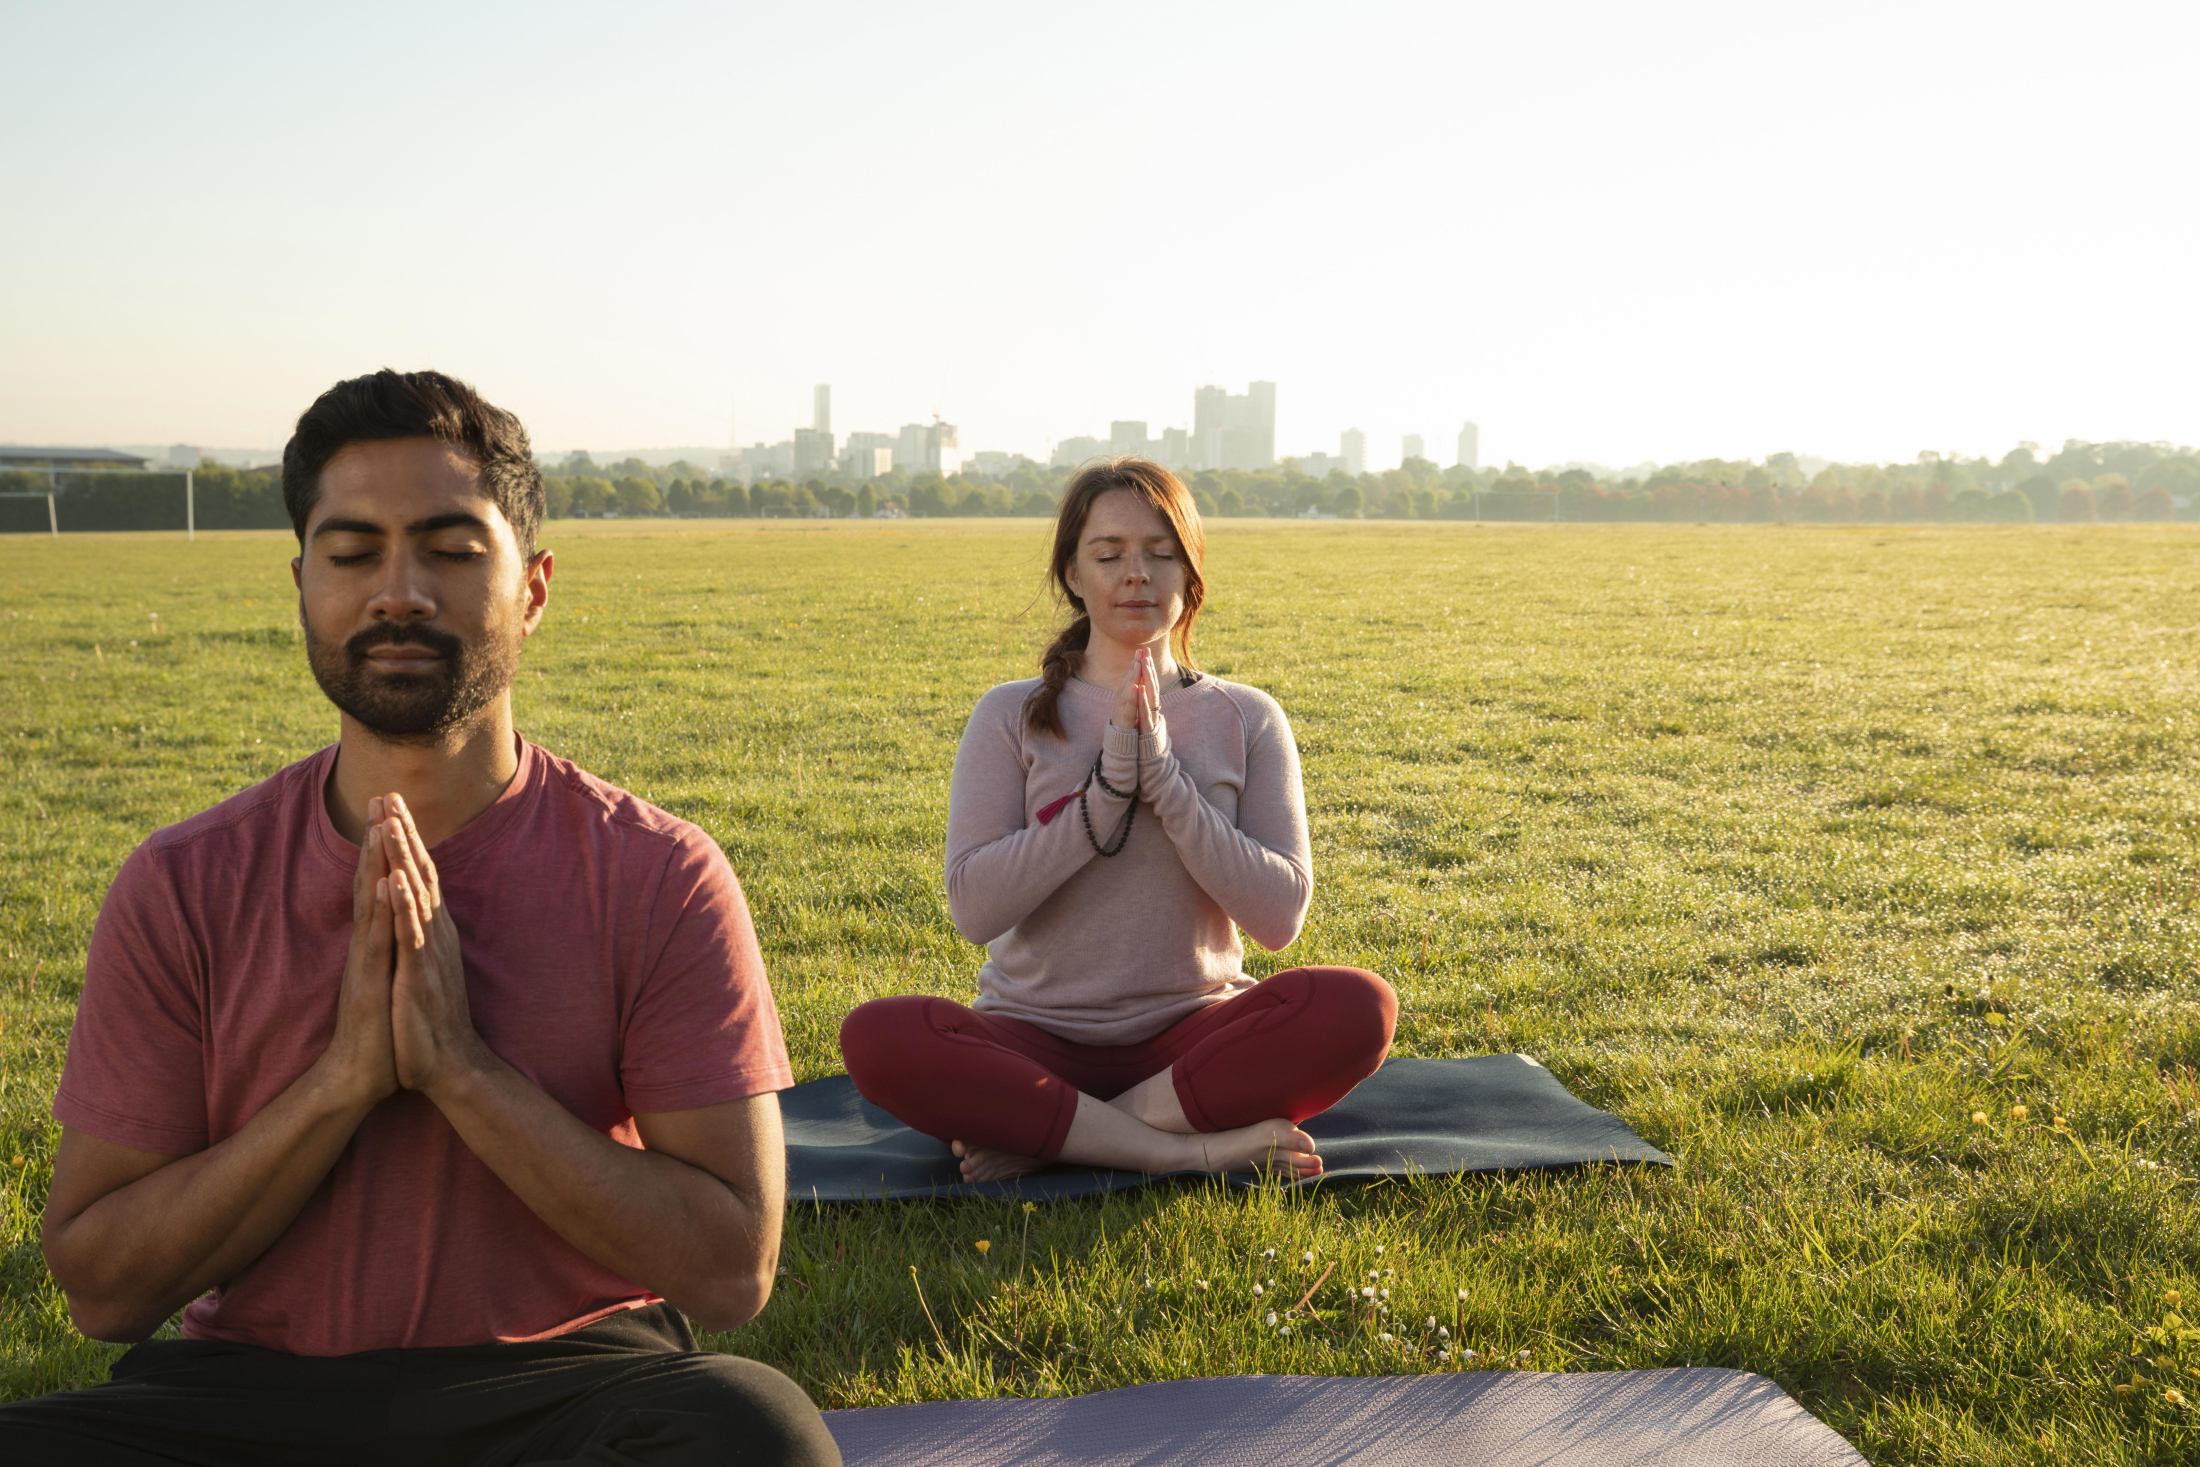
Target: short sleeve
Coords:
[(702, 1028), (135, 1074)]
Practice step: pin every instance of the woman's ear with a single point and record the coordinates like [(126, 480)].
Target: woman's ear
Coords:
[(1075, 582)]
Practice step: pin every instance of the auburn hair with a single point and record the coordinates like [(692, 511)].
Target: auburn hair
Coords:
[(1166, 493)]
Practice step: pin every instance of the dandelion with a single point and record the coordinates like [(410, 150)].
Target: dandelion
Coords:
[(1203, 1283), (1271, 1319), (1978, 1118), (983, 1245), (2174, 1396), (2171, 1296), (1031, 1207), (2020, 1112), (1462, 1296)]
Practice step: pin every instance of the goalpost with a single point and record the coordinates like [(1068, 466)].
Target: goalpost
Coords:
[(54, 490)]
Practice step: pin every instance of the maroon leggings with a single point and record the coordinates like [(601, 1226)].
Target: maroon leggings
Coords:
[(1291, 1046)]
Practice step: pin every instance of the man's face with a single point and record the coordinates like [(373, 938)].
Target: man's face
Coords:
[(412, 589)]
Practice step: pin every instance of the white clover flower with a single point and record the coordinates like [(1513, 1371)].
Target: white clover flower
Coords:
[(1443, 1332), (1462, 1296), (1269, 1254), (1443, 1354), (1371, 1273), (1429, 1323), (1283, 1329), (1525, 1352), (1384, 1338), (1258, 1291), (1378, 1250), (1271, 1318), (1368, 1292), (1203, 1283), (1467, 1354), (1307, 1257), (1386, 1293)]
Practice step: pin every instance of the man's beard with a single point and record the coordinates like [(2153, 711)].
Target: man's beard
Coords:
[(414, 707)]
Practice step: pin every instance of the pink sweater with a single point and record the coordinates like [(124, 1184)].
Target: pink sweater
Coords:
[(1113, 951)]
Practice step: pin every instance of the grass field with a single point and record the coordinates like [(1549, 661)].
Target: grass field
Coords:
[(1856, 867)]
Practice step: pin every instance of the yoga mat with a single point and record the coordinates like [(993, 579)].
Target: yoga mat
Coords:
[(1623, 1418), (1492, 1112)]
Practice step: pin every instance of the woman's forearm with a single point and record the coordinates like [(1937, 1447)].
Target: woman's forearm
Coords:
[(1263, 890)]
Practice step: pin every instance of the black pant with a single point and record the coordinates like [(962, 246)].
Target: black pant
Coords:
[(622, 1392)]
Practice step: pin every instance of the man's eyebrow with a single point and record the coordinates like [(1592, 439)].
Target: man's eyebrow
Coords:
[(347, 527), (451, 521)]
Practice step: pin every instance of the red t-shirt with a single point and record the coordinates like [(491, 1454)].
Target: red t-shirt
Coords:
[(609, 958)]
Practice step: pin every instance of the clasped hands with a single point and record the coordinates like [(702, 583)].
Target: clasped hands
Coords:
[(402, 1020), (1138, 701)]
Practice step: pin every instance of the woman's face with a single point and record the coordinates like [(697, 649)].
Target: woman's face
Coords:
[(1128, 571)]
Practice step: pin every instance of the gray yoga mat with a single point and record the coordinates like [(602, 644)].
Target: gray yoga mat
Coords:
[(1493, 1112), (1627, 1418)]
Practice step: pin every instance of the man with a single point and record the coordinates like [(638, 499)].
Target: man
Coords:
[(435, 1076)]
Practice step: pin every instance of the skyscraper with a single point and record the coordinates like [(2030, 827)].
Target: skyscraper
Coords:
[(821, 407), (1413, 447), (1233, 432), (1352, 448), (1470, 447), (1125, 436), (813, 453)]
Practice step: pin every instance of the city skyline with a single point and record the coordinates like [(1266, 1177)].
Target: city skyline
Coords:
[(1666, 267)]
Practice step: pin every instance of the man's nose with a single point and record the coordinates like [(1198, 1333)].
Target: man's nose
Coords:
[(401, 593)]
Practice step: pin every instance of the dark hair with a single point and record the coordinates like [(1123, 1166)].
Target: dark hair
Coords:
[(1168, 496), (391, 404)]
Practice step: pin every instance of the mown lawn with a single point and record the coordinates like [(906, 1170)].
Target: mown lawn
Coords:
[(1856, 867)]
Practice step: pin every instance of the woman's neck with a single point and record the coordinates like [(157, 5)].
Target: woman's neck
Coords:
[(1107, 662)]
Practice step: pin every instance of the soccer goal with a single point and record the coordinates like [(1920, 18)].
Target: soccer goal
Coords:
[(116, 499)]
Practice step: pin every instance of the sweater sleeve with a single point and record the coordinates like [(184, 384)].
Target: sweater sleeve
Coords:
[(999, 867), (1260, 870)]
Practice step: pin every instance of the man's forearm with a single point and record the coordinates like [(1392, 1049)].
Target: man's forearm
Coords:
[(670, 1226), (144, 1250)]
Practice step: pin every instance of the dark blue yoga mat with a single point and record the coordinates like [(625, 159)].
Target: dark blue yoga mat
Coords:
[(1701, 1417), (1493, 1112)]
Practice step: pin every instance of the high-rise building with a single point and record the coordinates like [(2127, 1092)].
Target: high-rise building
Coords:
[(1470, 447), (821, 408), (1413, 447), (1127, 437), (1175, 450), (909, 448), (1071, 452), (1234, 432), (942, 449), (813, 453), (860, 454), (1352, 448)]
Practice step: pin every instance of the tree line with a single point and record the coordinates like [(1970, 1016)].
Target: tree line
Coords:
[(2080, 483)]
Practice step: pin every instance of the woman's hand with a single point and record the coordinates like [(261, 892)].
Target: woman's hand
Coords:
[(1138, 701)]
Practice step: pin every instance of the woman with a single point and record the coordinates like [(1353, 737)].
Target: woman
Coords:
[(1112, 824)]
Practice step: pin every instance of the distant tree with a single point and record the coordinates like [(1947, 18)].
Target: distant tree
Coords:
[(639, 496), (557, 498), (2154, 505), (593, 495), (2112, 497), (866, 502), (1347, 499), (2075, 507), (1871, 506), (1228, 503), (2009, 508), (1205, 502), (2042, 492)]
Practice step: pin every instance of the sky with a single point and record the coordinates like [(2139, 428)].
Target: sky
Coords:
[(1610, 233)]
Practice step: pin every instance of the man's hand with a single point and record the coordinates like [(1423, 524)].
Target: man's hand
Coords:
[(360, 1054), (431, 1026)]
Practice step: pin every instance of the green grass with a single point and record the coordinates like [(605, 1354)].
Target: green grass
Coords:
[(1793, 847)]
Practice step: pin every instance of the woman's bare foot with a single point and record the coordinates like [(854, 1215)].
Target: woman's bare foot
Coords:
[(981, 1165), (1276, 1146)]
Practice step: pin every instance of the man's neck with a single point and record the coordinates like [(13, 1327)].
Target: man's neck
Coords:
[(445, 784)]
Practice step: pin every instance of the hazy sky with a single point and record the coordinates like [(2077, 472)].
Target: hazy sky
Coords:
[(1609, 232)]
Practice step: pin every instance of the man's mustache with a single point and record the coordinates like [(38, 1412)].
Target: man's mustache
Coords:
[(442, 643)]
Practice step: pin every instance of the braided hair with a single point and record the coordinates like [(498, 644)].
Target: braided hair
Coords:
[(1066, 653)]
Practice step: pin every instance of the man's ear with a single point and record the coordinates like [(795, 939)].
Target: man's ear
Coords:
[(538, 591)]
